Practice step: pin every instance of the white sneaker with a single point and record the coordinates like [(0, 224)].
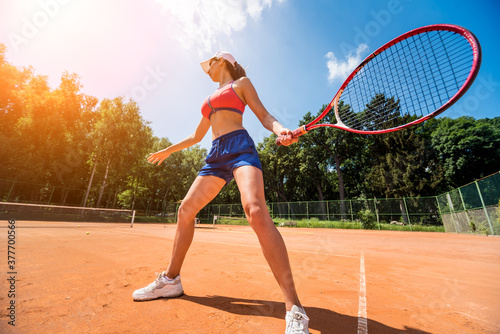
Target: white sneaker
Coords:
[(297, 321), (162, 287)]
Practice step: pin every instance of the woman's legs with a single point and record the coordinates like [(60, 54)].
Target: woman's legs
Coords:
[(202, 191), (251, 185)]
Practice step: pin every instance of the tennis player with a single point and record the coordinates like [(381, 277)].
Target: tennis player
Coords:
[(233, 155)]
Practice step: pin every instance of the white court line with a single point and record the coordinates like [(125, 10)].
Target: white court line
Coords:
[(362, 317)]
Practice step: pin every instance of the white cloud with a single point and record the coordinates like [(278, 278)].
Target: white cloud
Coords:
[(199, 23), (341, 69)]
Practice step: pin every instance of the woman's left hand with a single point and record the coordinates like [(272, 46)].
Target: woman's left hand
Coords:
[(158, 157)]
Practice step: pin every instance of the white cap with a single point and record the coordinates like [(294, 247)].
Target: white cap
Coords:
[(220, 54)]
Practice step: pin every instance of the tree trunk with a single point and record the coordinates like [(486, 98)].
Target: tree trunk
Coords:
[(103, 184), (115, 198), (322, 200), (279, 190), (338, 162), (343, 213), (164, 204), (90, 184), (65, 195)]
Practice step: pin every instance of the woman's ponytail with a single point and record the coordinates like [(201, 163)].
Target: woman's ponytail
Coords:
[(236, 71)]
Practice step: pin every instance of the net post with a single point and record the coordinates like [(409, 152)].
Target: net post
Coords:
[(215, 219), (133, 218)]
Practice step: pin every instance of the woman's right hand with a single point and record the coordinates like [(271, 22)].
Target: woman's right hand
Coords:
[(158, 157)]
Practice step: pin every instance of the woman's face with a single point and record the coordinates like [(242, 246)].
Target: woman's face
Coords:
[(215, 66)]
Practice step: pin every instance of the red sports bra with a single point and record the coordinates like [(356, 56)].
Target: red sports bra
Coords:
[(224, 98)]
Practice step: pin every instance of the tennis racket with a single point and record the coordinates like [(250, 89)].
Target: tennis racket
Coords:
[(409, 80)]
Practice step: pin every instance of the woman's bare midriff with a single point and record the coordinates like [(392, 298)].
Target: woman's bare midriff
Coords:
[(225, 121)]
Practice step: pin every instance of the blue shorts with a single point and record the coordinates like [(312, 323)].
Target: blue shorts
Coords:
[(228, 152)]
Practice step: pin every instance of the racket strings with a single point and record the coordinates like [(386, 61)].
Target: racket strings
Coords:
[(415, 66), (410, 79)]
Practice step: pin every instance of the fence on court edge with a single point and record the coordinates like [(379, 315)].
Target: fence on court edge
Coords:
[(400, 211), (473, 208)]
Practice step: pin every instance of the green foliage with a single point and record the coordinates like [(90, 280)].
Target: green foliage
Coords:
[(281, 168), (413, 228), (120, 139), (59, 137), (403, 164), (47, 127), (368, 219), (479, 227), (469, 149), (496, 222), (229, 194), (498, 211), (315, 223)]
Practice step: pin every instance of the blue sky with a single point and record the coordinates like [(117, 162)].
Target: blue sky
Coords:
[(151, 49)]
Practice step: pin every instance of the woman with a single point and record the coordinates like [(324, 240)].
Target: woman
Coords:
[(233, 155)]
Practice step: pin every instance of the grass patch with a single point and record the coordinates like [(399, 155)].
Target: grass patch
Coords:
[(307, 223), (414, 228), (316, 223), (231, 221), (346, 224)]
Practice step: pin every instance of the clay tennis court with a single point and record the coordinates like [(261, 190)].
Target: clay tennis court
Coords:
[(73, 282)]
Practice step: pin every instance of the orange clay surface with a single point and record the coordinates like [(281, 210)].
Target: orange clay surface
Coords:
[(69, 281)]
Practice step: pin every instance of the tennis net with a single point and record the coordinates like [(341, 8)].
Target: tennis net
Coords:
[(39, 212), (229, 220)]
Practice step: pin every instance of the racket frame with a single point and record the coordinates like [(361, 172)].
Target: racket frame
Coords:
[(476, 64)]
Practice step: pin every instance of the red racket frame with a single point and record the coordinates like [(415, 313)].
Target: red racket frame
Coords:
[(476, 50)]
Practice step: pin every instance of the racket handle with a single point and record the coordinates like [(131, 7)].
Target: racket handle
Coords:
[(295, 134)]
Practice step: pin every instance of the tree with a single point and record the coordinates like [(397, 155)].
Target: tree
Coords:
[(10, 80), (151, 187), (469, 149), (333, 146), (120, 138), (403, 163), (279, 166), (47, 128)]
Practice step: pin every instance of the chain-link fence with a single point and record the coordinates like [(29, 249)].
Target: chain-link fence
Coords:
[(401, 211), (472, 208)]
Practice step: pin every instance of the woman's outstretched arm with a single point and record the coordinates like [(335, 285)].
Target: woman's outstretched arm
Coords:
[(195, 138)]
